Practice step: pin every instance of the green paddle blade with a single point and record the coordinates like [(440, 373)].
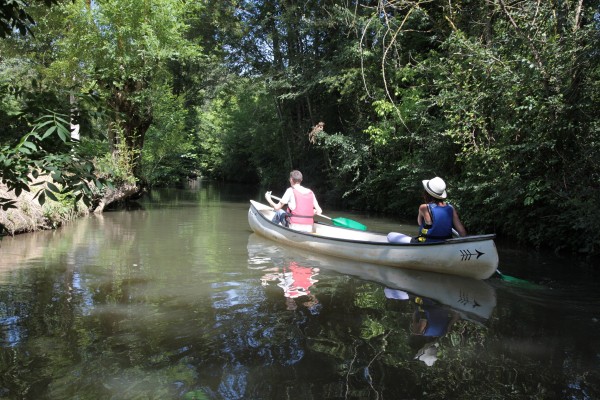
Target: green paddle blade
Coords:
[(348, 223), (517, 281)]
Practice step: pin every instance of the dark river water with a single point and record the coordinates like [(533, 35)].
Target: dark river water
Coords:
[(178, 299)]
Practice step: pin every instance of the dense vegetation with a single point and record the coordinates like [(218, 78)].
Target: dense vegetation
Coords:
[(498, 97)]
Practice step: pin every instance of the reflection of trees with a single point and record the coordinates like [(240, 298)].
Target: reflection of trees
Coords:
[(136, 343), (162, 345), (365, 341)]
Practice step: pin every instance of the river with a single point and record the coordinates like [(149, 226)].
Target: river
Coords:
[(178, 299)]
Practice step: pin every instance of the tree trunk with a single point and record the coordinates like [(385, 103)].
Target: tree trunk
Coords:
[(118, 194)]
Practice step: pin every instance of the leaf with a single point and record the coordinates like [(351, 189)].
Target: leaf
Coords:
[(53, 187), (42, 124), (49, 132), (62, 134), (42, 198), (7, 204), (30, 145), (50, 195), (62, 122)]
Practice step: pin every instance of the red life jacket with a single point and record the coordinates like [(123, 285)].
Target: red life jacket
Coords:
[(304, 212)]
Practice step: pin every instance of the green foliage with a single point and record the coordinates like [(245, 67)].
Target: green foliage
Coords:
[(168, 154), (21, 166), (240, 137), (117, 166), (122, 53), (15, 16), (506, 115), (521, 137), (499, 99)]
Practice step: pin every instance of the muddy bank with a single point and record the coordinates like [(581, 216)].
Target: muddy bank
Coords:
[(30, 216)]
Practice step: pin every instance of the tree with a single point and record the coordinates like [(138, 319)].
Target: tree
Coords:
[(122, 52)]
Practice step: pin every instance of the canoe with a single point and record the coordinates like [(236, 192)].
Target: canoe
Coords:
[(473, 299), (471, 256)]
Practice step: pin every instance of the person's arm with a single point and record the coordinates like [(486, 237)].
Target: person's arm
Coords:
[(277, 206), (453, 319), (423, 216), (458, 224), (316, 205)]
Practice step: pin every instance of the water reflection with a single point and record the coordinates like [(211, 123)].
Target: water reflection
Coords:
[(180, 300), (439, 300), (473, 299), (295, 280)]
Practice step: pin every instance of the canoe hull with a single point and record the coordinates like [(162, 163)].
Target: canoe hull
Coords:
[(473, 256)]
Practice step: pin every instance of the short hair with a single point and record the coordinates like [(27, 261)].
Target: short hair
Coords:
[(296, 176), (430, 199)]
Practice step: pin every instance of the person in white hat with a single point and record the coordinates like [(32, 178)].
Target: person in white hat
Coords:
[(436, 219)]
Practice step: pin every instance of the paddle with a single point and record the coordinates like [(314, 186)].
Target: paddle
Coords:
[(339, 221)]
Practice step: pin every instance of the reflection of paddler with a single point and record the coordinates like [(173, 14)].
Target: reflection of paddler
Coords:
[(431, 320), (395, 294), (295, 280), (301, 280)]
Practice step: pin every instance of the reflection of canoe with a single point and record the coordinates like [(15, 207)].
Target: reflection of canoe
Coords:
[(472, 298), (472, 256)]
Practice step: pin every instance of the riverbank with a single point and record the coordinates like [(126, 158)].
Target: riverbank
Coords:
[(28, 215)]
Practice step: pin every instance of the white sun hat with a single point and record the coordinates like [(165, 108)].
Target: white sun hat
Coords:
[(435, 187), (428, 354)]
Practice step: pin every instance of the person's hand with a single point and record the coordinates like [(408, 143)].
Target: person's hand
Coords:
[(268, 196)]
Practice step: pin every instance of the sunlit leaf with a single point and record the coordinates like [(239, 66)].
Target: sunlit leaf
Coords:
[(63, 134), (30, 145)]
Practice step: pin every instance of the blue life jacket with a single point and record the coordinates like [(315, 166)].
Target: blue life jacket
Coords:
[(438, 321), (441, 224)]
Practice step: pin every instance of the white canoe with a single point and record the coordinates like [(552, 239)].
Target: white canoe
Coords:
[(473, 299), (471, 256)]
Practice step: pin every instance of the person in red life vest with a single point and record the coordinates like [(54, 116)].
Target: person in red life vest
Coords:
[(301, 204), (436, 219)]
